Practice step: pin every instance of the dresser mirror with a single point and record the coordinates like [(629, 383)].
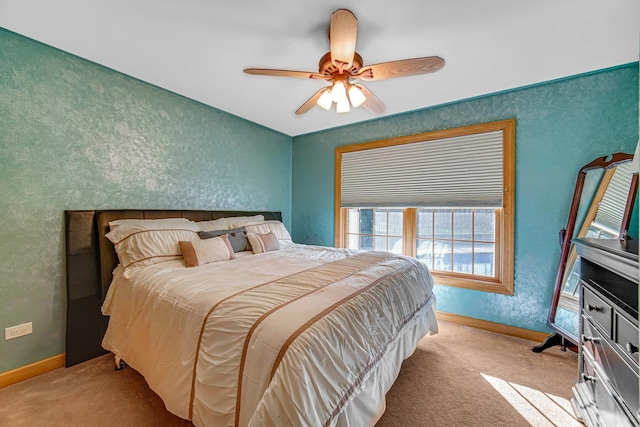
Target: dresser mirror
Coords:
[(601, 208)]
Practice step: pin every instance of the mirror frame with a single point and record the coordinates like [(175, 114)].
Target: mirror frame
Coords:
[(566, 234)]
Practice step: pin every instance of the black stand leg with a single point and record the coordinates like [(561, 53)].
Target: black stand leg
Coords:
[(553, 340), (120, 365)]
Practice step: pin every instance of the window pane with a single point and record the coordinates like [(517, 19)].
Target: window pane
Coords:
[(442, 255), (443, 223), (353, 241), (592, 233), (395, 222), (425, 252), (380, 221), (485, 259), (571, 285), (366, 221), (379, 243), (462, 257), (485, 225), (354, 217), (395, 245), (425, 223), (462, 224), (376, 229), (366, 243)]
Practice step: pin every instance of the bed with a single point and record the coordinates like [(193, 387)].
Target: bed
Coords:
[(294, 335)]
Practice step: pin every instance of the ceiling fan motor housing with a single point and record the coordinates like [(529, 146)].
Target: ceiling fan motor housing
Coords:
[(327, 68)]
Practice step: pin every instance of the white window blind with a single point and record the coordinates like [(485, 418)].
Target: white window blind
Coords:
[(462, 171), (612, 206)]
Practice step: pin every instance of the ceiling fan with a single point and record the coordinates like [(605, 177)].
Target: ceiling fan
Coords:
[(342, 65)]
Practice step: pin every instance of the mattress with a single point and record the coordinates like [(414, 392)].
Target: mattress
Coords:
[(305, 335)]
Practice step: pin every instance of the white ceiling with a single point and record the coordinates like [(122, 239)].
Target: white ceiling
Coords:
[(198, 48)]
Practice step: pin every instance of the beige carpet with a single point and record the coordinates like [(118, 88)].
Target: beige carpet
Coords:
[(460, 377)]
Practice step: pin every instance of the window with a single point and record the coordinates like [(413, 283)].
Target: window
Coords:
[(444, 197), (457, 240), (375, 229)]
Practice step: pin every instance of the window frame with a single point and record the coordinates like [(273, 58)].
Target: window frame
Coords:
[(503, 282)]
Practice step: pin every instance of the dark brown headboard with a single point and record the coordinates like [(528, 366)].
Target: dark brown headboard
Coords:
[(90, 261)]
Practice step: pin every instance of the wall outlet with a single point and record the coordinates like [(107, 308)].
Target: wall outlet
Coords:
[(18, 331)]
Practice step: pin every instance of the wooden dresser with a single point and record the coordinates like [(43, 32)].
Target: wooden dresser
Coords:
[(607, 390)]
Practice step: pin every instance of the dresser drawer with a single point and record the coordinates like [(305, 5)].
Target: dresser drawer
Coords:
[(617, 373), (597, 394), (626, 336), (598, 309)]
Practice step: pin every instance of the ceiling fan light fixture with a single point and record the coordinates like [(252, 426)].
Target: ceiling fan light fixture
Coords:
[(356, 96), (325, 100), (339, 92), (343, 106)]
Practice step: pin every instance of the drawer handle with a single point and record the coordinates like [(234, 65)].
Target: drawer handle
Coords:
[(587, 378), (594, 308), (631, 348), (587, 339)]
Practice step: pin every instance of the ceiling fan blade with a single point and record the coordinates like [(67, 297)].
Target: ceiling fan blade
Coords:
[(402, 68), (311, 102), (372, 103), (286, 73), (342, 36)]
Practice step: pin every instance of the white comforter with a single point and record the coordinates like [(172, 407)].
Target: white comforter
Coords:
[(301, 336)]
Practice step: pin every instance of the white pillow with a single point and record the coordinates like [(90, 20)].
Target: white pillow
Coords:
[(229, 222), (241, 221), (275, 227), (199, 252), (214, 224), (150, 241)]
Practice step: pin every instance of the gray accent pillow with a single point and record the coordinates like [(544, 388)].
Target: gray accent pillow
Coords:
[(237, 238)]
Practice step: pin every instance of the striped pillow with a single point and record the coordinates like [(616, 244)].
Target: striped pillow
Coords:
[(150, 241), (263, 242)]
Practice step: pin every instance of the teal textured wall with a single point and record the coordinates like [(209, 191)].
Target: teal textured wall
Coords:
[(560, 126), (75, 135)]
